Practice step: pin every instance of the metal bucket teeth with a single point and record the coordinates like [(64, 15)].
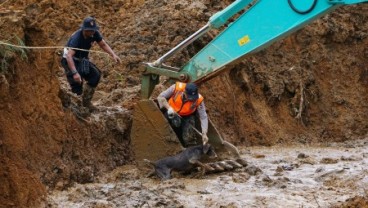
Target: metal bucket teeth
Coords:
[(209, 168), (221, 166), (225, 165), (233, 163), (242, 162), (217, 167)]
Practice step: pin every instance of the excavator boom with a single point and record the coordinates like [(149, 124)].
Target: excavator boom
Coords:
[(262, 23)]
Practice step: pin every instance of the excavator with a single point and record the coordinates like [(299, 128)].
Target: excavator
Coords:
[(249, 26)]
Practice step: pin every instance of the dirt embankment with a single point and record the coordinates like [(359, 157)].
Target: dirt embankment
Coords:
[(41, 144), (255, 103)]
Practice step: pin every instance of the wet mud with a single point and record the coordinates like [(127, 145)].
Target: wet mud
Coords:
[(294, 176)]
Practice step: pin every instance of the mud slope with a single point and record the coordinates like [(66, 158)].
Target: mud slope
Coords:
[(44, 146)]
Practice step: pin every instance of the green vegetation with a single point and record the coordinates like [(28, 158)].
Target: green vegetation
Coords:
[(8, 53)]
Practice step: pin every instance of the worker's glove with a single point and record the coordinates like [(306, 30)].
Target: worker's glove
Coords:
[(204, 139), (170, 112)]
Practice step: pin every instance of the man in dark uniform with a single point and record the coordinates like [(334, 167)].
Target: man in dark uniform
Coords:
[(76, 64)]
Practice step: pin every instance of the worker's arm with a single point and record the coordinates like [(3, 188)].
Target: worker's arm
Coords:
[(71, 65), (108, 50), (204, 121), (164, 96)]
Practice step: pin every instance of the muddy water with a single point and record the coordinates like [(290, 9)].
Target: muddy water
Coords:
[(298, 176)]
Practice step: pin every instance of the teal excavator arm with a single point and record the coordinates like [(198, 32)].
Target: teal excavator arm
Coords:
[(262, 23)]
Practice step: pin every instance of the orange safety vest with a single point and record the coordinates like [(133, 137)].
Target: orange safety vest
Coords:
[(176, 101)]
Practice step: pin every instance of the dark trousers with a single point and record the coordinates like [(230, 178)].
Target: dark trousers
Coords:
[(182, 127), (92, 78)]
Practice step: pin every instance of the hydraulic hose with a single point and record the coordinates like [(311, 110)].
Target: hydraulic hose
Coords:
[(300, 11)]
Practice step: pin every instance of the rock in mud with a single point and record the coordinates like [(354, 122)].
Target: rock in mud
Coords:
[(253, 170)]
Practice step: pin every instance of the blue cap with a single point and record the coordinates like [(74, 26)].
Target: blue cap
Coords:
[(89, 24), (191, 90)]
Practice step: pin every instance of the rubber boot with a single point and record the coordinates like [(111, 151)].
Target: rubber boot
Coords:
[(87, 97)]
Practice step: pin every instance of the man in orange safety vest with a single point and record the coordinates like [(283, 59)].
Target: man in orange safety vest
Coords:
[(180, 103)]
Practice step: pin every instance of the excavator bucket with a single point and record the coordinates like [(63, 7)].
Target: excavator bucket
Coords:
[(151, 135), (153, 138), (221, 146)]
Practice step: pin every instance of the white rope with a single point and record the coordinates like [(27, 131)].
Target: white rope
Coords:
[(49, 47)]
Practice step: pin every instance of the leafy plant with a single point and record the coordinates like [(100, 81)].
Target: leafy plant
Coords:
[(8, 52)]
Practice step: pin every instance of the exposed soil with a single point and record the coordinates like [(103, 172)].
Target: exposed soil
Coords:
[(44, 146)]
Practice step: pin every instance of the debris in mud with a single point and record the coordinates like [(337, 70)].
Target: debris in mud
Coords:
[(259, 156), (288, 167), (253, 170), (355, 202), (302, 156), (308, 160), (329, 161), (241, 178), (350, 158)]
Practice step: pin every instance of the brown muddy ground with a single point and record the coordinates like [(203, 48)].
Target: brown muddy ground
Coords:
[(44, 146), (293, 176)]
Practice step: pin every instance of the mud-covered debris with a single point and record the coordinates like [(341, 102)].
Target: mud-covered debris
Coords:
[(357, 201), (279, 169), (252, 170), (259, 156), (329, 161), (350, 158), (204, 192), (241, 178), (266, 179), (302, 156), (324, 176), (320, 169), (308, 160), (287, 167)]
